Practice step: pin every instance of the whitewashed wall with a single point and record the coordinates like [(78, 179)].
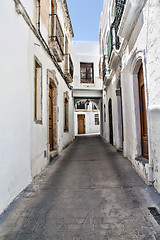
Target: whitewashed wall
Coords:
[(64, 138), (110, 93), (142, 47), (105, 116), (87, 52), (15, 113), (39, 133), (22, 141), (153, 80)]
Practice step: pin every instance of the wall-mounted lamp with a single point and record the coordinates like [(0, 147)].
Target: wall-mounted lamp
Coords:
[(87, 102)]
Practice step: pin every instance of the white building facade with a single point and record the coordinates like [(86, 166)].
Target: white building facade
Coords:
[(87, 88), (86, 117), (36, 96), (130, 56)]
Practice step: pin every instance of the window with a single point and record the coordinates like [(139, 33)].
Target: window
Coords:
[(86, 72), (66, 112), (52, 18), (96, 119), (38, 92)]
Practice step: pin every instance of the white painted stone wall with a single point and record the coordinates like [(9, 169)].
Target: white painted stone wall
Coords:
[(64, 138), (87, 52), (39, 133), (105, 116), (15, 172), (116, 114), (142, 47), (153, 80), (109, 92), (144, 44), (22, 141)]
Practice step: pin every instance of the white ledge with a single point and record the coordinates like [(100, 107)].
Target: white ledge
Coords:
[(114, 60), (130, 16)]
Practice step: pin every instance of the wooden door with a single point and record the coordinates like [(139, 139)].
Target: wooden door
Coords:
[(51, 117), (81, 123), (110, 121), (143, 114)]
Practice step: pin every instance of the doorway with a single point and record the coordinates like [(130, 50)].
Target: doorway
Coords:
[(143, 114), (110, 121), (53, 111), (51, 117), (81, 123)]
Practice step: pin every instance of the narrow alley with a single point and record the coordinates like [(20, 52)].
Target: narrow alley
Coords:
[(90, 192)]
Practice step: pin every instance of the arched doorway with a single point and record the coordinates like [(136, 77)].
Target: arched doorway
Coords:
[(110, 121), (87, 117)]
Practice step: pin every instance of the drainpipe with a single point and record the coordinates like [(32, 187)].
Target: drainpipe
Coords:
[(39, 31)]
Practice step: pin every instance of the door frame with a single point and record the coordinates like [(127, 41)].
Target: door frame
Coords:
[(51, 96), (142, 113), (110, 115), (52, 80), (84, 123), (138, 60)]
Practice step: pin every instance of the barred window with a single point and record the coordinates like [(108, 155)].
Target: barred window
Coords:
[(86, 73), (38, 92), (96, 119)]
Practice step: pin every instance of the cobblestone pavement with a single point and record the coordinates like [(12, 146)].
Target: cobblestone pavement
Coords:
[(90, 193)]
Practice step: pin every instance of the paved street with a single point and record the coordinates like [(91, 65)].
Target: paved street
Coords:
[(90, 193)]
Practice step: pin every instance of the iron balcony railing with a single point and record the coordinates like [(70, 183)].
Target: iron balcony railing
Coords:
[(104, 69), (68, 65), (119, 8), (56, 31), (113, 39), (110, 44)]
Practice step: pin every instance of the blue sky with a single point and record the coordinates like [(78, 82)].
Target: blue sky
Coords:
[(85, 17)]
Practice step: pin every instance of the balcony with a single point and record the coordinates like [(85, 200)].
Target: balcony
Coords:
[(120, 4), (113, 38), (56, 40), (113, 47), (69, 67), (130, 16), (106, 72), (104, 66)]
